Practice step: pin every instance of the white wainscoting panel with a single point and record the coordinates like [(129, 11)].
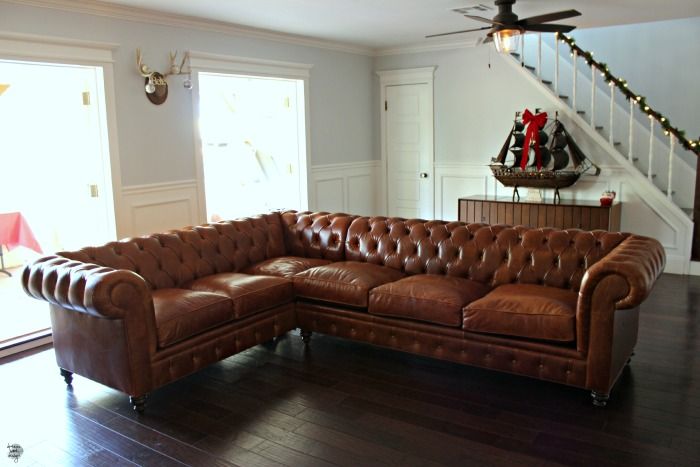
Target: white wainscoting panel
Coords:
[(351, 187), (158, 207), (454, 181), (640, 214)]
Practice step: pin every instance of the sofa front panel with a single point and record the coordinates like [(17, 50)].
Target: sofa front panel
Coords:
[(544, 362), (316, 234), (493, 255), (188, 356)]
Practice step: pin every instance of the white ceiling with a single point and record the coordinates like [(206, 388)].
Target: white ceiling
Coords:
[(397, 23)]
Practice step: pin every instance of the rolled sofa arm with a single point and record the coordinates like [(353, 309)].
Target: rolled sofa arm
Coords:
[(99, 291), (638, 260)]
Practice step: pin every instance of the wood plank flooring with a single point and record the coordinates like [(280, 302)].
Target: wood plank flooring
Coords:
[(349, 404)]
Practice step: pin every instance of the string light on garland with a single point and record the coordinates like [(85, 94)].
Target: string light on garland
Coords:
[(690, 145)]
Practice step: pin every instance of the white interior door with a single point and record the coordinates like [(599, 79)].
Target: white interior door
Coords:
[(409, 150)]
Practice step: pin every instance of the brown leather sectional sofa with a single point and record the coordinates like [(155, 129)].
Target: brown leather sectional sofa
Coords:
[(555, 305)]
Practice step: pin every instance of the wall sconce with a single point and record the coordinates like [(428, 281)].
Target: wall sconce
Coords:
[(156, 85)]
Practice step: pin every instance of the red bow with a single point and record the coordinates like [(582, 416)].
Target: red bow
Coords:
[(536, 123)]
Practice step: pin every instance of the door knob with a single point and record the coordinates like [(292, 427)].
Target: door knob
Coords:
[(424, 175)]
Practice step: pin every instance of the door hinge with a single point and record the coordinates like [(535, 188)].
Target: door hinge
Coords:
[(86, 98), (386, 106), (94, 191)]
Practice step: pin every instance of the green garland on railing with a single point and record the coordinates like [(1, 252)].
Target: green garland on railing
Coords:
[(621, 84)]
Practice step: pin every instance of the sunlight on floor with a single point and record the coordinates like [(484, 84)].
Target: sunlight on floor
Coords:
[(19, 314)]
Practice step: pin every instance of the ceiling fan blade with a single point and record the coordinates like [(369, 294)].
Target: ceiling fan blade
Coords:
[(483, 20), (550, 28), (486, 40), (546, 18), (456, 32)]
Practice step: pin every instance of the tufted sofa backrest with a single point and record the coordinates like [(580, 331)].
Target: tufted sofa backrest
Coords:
[(316, 234), (177, 257), (493, 255)]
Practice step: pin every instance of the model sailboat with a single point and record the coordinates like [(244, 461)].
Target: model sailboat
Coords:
[(540, 153)]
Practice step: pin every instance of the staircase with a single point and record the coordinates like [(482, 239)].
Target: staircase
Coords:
[(658, 158)]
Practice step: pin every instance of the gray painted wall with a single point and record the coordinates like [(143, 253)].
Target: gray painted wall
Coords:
[(474, 104), (156, 143)]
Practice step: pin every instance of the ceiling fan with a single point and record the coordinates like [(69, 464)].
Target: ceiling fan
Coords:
[(505, 26)]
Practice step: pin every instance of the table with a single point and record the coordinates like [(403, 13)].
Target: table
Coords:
[(14, 232), (585, 215)]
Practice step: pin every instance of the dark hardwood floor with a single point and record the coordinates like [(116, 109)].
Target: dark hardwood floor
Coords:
[(343, 403)]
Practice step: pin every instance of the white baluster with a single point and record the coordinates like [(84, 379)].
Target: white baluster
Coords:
[(539, 56), (574, 79), (522, 49), (651, 147), (593, 73), (556, 66), (612, 111), (670, 166), (630, 144)]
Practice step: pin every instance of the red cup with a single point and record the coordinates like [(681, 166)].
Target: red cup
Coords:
[(605, 201)]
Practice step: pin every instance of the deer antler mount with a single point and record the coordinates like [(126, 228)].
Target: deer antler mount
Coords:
[(156, 84)]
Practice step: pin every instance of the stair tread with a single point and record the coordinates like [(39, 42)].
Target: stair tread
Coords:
[(581, 112), (531, 68), (599, 127), (546, 81), (562, 96)]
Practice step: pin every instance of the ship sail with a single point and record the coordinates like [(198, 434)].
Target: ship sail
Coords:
[(557, 150)]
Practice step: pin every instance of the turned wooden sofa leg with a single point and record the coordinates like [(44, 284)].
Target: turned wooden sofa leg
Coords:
[(139, 403), (306, 336), (600, 399), (67, 376)]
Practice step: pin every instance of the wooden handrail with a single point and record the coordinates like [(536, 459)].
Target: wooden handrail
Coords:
[(621, 84)]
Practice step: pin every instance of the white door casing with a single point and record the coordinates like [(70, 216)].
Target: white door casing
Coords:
[(407, 142)]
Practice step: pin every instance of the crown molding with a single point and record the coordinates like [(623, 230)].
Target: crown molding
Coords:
[(22, 46), (429, 47), (143, 15)]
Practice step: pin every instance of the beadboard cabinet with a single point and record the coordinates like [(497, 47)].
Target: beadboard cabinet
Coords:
[(585, 215)]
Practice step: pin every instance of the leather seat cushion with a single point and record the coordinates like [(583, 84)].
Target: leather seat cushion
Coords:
[(284, 266), (345, 283), (426, 297), (525, 310), (250, 294), (182, 313)]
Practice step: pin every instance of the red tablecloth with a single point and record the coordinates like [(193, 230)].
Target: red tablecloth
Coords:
[(14, 231)]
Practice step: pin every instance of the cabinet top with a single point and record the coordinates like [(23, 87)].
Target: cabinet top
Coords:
[(507, 199)]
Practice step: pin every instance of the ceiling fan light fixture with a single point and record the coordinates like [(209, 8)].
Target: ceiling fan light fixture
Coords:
[(507, 40)]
